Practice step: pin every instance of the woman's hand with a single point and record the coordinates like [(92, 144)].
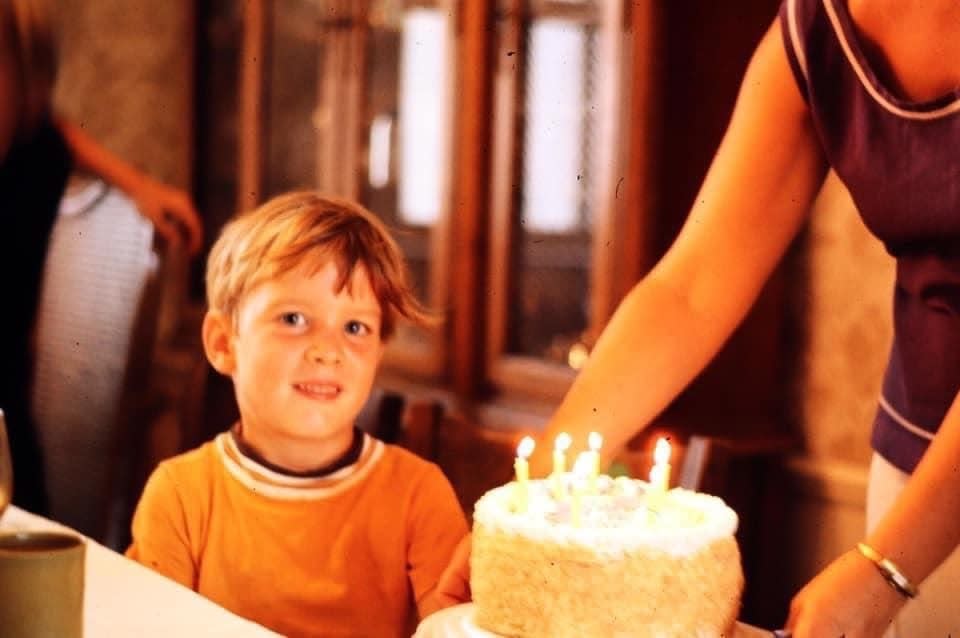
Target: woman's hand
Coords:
[(849, 598)]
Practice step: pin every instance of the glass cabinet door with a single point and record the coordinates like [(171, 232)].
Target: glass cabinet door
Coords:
[(404, 173), (558, 67)]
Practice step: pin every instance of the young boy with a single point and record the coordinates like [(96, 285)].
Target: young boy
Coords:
[(294, 518)]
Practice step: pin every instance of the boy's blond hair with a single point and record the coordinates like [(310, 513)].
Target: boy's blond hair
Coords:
[(27, 36), (306, 228)]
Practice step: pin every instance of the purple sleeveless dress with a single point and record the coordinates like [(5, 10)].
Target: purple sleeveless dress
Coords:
[(900, 161)]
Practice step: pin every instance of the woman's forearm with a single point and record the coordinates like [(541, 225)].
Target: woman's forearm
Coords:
[(921, 529), (652, 347)]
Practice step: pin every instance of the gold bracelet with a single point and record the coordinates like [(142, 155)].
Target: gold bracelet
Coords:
[(889, 570)]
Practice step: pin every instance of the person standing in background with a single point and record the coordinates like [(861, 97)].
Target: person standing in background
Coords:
[(38, 151)]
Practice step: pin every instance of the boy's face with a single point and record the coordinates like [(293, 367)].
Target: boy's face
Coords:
[(303, 357)]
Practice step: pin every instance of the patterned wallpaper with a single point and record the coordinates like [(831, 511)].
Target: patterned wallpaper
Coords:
[(126, 76), (849, 328)]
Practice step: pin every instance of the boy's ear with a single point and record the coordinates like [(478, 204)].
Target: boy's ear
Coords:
[(217, 333)]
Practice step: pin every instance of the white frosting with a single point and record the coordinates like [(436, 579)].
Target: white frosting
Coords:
[(615, 517)]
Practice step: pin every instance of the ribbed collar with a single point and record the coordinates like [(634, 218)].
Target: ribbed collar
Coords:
[(280, 485)]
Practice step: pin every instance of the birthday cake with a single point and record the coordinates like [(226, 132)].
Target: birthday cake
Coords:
[(615, 558)]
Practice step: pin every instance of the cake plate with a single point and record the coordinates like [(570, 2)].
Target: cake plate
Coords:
[(457, 622)]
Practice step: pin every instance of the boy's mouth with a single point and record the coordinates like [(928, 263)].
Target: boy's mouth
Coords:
[(319, 390)]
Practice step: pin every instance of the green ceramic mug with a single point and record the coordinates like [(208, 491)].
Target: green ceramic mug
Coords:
[(41, 585)]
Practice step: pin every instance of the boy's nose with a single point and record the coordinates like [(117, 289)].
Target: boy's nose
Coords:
[(327, 354)]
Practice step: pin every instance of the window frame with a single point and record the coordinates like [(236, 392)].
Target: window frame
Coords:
[(509, 373)]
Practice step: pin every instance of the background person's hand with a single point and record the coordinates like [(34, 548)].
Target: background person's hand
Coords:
[(170, 210), (849, 598)]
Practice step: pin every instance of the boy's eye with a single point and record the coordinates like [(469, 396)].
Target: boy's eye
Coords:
[(357, 328), (293, 319)]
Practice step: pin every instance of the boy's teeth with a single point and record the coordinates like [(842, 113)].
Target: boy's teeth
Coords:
[(324, 389)]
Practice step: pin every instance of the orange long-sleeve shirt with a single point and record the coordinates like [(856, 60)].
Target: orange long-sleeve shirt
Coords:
[(348, 554)]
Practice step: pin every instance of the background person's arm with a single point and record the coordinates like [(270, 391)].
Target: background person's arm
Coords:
[(170, 209), (752, 203)]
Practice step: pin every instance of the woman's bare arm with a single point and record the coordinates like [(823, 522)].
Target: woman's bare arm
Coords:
[(754, 199)]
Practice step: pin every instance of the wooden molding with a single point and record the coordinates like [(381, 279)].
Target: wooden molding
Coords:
[(252, 88), (470, 196)]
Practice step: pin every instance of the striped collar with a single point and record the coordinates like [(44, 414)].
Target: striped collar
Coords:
[(275, 485), (351, 456), (843, 27)]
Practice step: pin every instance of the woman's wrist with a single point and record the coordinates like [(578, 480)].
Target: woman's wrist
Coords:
[(889, 570)]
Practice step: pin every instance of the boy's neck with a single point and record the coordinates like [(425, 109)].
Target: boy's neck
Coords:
[(350, 456)]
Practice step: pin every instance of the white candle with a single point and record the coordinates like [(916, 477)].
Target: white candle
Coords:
[(560, 445), (595, 441), (524, 450), (581, 474), (660, 473), (522, 469), (661, 461)]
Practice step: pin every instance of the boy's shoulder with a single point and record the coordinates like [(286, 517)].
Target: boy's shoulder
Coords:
[(198, 462), (398, 467), (419, 486), (403, 460)]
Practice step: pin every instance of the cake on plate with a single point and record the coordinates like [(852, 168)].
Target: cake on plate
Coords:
[(616, 557)]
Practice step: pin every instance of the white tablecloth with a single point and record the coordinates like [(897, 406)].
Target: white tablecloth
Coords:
[(457, 622), (123, 598)]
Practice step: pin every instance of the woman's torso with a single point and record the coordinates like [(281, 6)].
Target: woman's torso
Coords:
[(891, 131)]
